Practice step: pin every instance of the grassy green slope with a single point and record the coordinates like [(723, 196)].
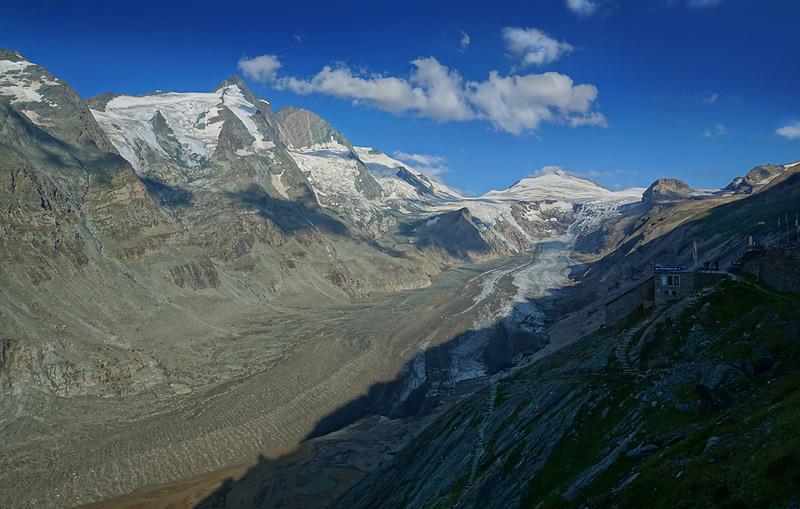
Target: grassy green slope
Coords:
[(702, 413)]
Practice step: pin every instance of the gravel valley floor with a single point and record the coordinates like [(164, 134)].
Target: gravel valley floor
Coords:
[(305, 364)]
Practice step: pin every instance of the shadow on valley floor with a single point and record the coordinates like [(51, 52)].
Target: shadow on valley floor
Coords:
[(328, 462)]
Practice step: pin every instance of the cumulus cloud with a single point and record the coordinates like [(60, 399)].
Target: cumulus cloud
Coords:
[(790, 131), (464, 42), (261, 69), (719, 129), (519, 103), (514, 104), (582, 7), (534, 47), (430, 165), (431, 91)]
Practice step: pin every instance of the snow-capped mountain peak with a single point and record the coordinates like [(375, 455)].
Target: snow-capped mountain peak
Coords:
[(195, 120), (553, 183)]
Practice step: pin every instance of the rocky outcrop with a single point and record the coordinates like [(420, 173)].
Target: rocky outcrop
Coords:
[(666, 190), (195, 275), (779, 268), (301, 128), (755, 179), (454, 233)]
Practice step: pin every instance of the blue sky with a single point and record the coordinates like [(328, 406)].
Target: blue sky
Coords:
[(693, 89)]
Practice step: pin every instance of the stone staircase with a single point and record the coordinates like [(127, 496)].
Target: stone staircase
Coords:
[(621, 352)]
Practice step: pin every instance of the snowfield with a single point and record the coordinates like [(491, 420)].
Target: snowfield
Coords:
[(194, 118), (17, 82)]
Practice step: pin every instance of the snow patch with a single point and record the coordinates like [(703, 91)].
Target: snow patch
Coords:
[(277, 183), (19, 84)]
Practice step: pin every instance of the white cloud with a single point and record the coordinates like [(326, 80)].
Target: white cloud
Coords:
[(514, 104), (581, 7), (719, 129), (711, 98), (520, 103), (422, 159), (464, 42), (298, 37), (261, 69), (790, 131), (430, 165), (550, 169), (533, 46), (432, 90)]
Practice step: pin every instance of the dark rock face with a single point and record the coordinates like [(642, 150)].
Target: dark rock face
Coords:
[(423, 188), (302, 128), (666, 190), (99, 101), (779, 268), (455, 233)]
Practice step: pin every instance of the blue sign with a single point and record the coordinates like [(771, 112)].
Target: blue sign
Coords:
[(669, 268)]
